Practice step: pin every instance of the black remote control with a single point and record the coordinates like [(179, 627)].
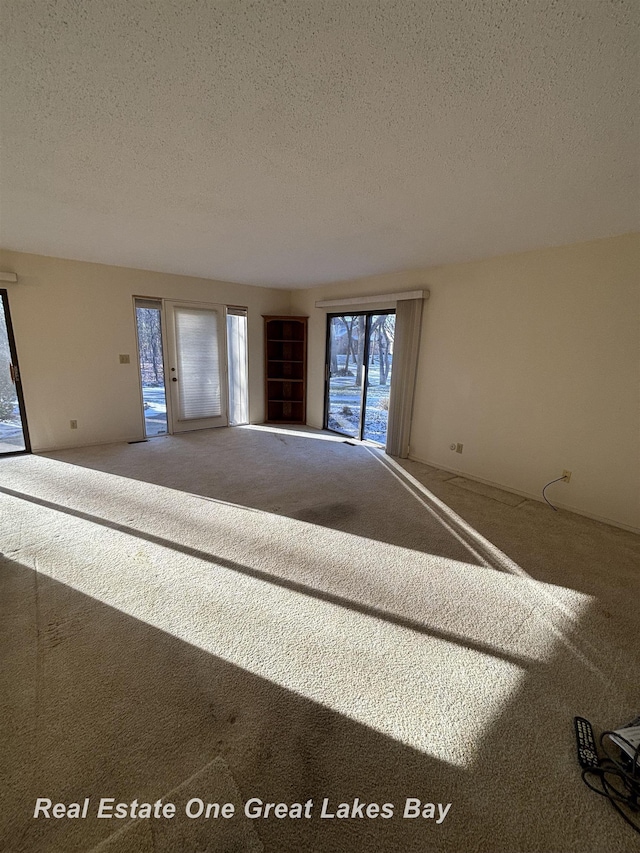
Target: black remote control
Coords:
[(587, 752)]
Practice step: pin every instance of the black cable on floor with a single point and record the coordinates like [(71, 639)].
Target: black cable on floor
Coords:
[(557, 480), (626, 791)]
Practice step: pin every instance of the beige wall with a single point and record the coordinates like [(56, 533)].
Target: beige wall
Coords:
[(72, 320), (532, 361)]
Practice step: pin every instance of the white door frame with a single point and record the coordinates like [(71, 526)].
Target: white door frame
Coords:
[(169, 344)]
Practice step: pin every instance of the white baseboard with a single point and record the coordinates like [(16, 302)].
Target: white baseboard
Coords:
[(60, 447), (527, 495)]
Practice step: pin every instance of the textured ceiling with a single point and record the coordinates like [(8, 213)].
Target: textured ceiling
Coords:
[(292, 143)]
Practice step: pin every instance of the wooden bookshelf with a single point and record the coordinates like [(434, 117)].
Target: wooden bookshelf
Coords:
[(285, 361)]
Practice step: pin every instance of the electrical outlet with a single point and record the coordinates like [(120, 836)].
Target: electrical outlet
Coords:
[(567, 475), (73, 424), (459, 448), (124, 359)]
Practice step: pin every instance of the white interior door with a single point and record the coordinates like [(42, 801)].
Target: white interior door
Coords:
[(197, 375)]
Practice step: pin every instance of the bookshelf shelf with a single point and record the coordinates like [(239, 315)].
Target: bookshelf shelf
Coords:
[(285, 340)]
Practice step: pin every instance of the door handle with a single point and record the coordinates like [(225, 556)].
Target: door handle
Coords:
[(12, 371)]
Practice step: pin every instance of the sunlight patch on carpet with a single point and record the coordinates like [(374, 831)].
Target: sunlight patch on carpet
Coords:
[(295, 433), (420, 647)]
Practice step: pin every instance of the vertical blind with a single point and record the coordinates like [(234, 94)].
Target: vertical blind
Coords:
[(198, 363)]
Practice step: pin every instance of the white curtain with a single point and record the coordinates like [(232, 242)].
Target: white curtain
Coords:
[(403, 376)]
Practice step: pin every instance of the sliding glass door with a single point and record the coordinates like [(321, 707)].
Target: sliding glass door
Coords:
[(377, 380), (359, 362), (346, 336), (14, 437)]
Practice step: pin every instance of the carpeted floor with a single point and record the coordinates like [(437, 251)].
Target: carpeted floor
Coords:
[(278, 614)]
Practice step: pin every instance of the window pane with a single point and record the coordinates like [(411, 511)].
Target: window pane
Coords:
[(346, 347), (238, 369), (149, 328), (376, 416), (11, 432)]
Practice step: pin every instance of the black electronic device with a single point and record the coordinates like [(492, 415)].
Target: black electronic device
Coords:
[(617, 775), (586, 742)]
